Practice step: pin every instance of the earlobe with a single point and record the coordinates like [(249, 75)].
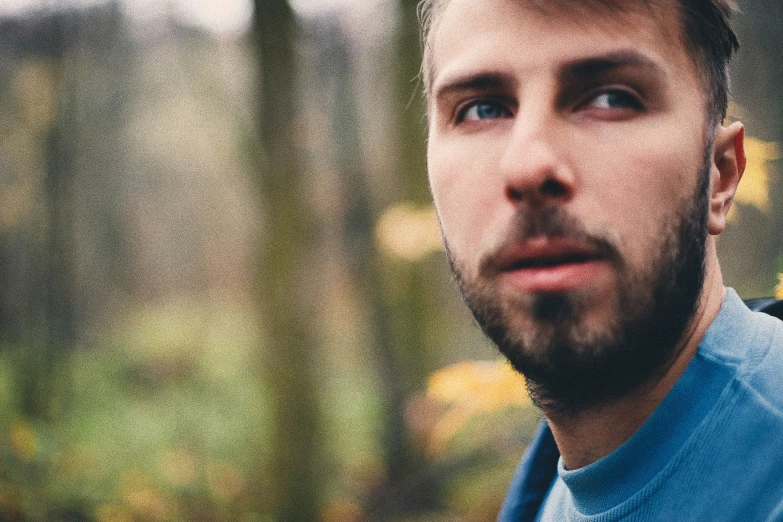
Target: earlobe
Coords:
[(728, 165)]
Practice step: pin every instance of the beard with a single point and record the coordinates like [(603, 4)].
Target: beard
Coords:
[(572, 364)]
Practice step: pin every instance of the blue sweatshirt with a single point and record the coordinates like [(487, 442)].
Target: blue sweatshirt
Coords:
[(711, 451)]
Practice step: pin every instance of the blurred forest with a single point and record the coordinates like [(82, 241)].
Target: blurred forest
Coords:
[(223, 296)]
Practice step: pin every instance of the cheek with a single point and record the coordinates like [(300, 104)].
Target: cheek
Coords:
[(651, 165), (465, 196), (642, 193)]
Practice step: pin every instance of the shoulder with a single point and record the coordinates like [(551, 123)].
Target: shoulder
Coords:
[(762, 367), (752, 344)]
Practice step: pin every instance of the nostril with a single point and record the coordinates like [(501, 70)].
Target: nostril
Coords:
[(515, 194), (548, 189), (552, 188)]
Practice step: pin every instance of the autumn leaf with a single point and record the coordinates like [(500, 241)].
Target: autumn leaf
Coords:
[(471, 388), (779, 289), (408, 232), (754, 187)]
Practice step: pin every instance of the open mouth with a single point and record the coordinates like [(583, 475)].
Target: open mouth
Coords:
[(546, 262), (553, 265)]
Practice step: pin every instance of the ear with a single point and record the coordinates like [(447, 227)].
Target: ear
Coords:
[(728, 165)]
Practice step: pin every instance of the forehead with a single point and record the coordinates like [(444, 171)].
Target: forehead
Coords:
[(545, 31)]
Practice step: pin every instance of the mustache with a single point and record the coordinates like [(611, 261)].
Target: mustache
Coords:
[(551, 223)]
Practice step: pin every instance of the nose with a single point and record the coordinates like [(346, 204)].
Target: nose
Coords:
[(535, 169)]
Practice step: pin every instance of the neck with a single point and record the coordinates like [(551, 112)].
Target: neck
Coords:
[(589, 435)]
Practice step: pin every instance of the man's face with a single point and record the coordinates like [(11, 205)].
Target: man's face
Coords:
[(567, 159)]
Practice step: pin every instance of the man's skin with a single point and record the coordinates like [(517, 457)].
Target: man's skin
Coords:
[(602, 115)]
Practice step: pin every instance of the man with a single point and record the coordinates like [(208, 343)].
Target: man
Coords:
[(581, 172)]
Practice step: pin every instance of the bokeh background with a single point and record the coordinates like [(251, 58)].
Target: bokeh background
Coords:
[(222, 291)]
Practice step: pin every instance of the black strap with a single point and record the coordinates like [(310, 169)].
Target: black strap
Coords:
[(541, 473), (532, 479), (768, 305)]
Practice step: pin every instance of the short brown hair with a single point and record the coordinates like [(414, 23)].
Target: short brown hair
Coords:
[(707, 33)]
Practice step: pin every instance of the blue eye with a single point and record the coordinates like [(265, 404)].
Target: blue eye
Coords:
[(484, 110), (615, 100)]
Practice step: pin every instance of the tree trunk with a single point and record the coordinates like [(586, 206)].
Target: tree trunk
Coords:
[(291, 346), (56, 333)]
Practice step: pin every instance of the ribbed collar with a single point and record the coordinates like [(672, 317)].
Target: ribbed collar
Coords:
[(618, 476)]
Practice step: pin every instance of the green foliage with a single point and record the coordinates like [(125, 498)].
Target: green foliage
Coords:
[(165, 422)]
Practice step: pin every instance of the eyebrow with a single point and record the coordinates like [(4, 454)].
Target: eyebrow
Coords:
[(598, 65), (473, 82), (585, 67)]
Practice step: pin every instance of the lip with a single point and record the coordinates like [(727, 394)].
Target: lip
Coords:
[(551, 265)]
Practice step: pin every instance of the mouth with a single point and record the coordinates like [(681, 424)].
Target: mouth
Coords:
[(552, 265), (551, 261)]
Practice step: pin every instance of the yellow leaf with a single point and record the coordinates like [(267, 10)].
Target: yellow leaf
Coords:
[(779, 289), (754, 186), (471, 388), (493, 384), (408, 232)]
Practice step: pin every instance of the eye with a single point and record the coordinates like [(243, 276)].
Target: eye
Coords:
[(615, 100), (483, 110)]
